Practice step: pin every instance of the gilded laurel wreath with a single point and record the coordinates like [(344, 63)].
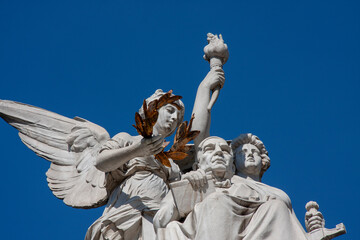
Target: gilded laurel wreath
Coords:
[(144, 127)]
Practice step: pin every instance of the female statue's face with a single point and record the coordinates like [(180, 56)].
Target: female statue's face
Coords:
[(167, 120), (248, 160)]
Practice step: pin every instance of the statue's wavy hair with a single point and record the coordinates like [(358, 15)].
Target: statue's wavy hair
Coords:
[(254, 140), (157, 94)]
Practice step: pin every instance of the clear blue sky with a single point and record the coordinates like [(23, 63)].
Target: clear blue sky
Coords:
[(292, 78)]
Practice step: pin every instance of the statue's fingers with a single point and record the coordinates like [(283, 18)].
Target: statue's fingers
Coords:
[(315, 224), (152, 140), (215, 69), (196, 179), (202, 172), (318, 213), (222, 80), (218, 69), (203, 179), (157, 144), (221, 74), (154, 150), (221, 77), (200, 179), (314, 227), (220, 83), (315, 218), (192, 182), (156, 138), (158, 150)]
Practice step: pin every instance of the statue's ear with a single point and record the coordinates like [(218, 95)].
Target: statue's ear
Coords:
[(265, 162), (195, 166)]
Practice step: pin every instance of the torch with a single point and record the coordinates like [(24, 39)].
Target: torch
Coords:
[(216, 53)]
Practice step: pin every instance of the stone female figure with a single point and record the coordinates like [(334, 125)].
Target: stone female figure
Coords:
[(89, 169)]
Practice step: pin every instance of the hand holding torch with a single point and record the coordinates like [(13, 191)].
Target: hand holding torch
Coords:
[(216, 53)]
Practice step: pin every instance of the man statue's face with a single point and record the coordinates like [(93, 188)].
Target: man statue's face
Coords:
[(248, 159), (216, 156)]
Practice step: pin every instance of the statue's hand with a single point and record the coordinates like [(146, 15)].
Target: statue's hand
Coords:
[(196, 178), (313, 218), (150, 146), (167, 213), (214, 79)]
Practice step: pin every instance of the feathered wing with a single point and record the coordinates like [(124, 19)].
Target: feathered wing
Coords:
[(71, 145)]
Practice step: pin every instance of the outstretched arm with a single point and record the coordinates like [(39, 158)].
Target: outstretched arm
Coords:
[(213, 80), (111, 159)]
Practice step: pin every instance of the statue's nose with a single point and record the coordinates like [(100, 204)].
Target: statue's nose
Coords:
[(217, 150), (174, 116)]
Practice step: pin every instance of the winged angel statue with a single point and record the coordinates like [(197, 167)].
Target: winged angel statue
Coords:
[(89, 169)]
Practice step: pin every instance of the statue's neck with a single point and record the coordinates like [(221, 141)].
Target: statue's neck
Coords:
[(219, 175), (249, 176)]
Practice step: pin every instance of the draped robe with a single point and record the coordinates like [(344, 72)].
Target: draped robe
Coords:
[(248, 210), (141, 185)]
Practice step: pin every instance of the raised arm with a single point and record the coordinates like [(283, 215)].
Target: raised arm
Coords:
[(216, 53), (214, 79)]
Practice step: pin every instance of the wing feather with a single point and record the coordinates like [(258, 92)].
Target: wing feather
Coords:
[(48, 152), (71, 145)]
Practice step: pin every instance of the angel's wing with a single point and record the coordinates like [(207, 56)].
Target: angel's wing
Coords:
[(71, 145)]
